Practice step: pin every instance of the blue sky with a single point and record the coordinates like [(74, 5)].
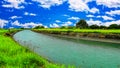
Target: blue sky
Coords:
[(56, 13)]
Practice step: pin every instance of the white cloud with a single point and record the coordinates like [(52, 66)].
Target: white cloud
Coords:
[(26, 25), (31, 24), (30, 14), (58, 21), (109, 3), (81, 5), (112, 22), (66, 23), (115, 12), (98, 16), (107, 18), (16, 23), (97, 22), (94, 10), (3, 23), (14, 4), (74, 18), (49, 3), (66, 15), (26, 13), (54, 25), (78, 5), (92, 22), (46, 26), (90, 16), (15, 17)]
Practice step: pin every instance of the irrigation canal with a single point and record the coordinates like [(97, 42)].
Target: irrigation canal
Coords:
[(80, 53)]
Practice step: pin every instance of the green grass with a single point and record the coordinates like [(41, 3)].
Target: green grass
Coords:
[(12, 55), (103, 31)]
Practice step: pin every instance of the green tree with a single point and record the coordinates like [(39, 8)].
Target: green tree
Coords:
[(38, 27), (63, 27), (94, 26), (113, 26), (103, 27), (82, 24), (118, 26)]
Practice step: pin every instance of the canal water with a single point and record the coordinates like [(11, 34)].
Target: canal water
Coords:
[(80, 53)]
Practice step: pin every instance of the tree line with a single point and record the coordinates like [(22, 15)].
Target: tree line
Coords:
[(82, 24)]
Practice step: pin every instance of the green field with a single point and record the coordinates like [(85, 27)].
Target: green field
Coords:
[(103, 31), (12, 55)]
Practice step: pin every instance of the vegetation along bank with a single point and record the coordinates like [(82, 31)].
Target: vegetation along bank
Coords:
[(82, 29), (13, 55), (87, 34)]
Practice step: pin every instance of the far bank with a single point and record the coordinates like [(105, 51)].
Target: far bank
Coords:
[(111, 35)]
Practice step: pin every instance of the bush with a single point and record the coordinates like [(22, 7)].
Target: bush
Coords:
[(113, 26), (82, 24), (94, 26)]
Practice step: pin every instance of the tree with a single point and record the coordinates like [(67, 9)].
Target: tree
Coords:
[(71, 27), (94, 26), (103, 27), (118, 26), (38, 27), (82, 24), (63, 27), (113, 26)]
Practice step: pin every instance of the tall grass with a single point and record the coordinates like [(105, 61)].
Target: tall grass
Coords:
[(103, 31), (12, 55)]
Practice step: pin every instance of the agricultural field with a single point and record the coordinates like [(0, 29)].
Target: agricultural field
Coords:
[(12, 55), (103, 31)]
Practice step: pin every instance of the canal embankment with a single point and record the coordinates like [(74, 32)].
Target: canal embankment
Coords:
[(94, 35)]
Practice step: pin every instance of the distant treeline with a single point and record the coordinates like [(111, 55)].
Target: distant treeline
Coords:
[(82, 24)]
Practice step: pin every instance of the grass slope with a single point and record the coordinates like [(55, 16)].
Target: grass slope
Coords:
[(103, 31), (12, 55)]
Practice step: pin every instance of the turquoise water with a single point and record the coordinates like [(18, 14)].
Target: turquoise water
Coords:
[(81, 53)]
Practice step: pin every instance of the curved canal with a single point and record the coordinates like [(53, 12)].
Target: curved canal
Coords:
[(80, 53)]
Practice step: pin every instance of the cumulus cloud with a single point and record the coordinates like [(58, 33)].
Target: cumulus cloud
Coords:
[(54, 25), (49, 3), (26, 25), (58, 21), (90, 16), (14, 4), (74, 18), (3, 23), (94, 10), (92, 22), (98, 16), (78, 5), (30, 14), (109, 3), (81, 5), (66, 15), (15, 17), (67, 23), (112, 22), (107, 18), (115, 12), (97, 22)]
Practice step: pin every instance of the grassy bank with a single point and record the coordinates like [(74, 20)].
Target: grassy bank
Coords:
[(103, 31), (12, 55), (93, 33)]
